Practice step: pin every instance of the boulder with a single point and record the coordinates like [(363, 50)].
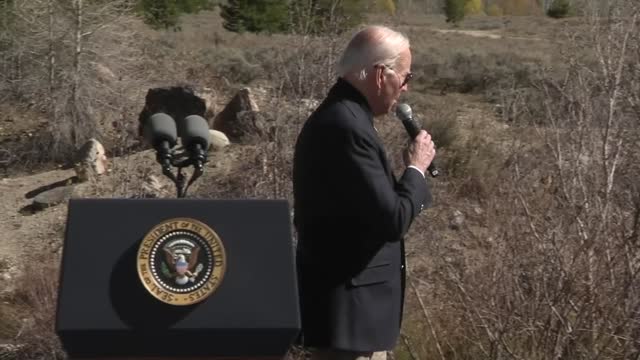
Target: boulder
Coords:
[(218, 140), (241, 119), (176, 101), (209, 97), (457, 219), (90, 160), (53, 197)]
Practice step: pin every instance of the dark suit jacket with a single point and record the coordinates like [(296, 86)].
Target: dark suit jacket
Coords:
[(350, 215)]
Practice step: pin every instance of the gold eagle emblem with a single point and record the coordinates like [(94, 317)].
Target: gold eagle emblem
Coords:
[(181, 267), (181, 261)]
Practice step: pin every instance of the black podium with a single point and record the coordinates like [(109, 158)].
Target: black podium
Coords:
[(180, 278)]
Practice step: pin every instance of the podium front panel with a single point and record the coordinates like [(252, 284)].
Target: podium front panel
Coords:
[(105, 310)]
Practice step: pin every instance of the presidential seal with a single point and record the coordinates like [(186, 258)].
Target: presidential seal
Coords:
[(181, 261)]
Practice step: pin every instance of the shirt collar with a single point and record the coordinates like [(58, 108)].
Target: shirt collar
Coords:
[(343, 89)]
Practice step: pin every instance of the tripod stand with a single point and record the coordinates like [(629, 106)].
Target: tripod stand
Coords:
[(180, 159)]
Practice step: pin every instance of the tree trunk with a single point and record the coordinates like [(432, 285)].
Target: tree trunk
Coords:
[(75, 89), (52, 60)]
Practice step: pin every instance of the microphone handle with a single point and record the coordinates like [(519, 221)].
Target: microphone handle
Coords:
[(413, 129)]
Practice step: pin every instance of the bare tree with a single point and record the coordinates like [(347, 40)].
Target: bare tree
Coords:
[(86, 54)]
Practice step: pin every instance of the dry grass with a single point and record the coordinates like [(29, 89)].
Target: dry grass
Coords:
[(205, 55), (510, 281), (544, 264), (29, 314)]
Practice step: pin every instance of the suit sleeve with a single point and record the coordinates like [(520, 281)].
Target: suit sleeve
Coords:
[(388, 210)]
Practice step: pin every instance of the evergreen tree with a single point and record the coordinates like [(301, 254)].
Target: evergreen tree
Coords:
[(269, 16), (310, 16), (559, 9), (388, 6), (473, 7), (495, 10), (231, 15), (256, 15), (166, 13), (454, 10), (328, 16)]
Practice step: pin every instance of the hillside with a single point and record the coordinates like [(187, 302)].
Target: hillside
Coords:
[(531, 249)]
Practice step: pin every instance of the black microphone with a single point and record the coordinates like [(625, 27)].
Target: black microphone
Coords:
[(194, 132), (404, 113), (160, 130)]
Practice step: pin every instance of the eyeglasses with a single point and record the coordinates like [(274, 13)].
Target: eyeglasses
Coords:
[(407, 77)]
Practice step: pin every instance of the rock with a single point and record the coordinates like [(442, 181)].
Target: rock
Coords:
[(90, 160), (309, 104), (11, 351), (585, 159), (83, 190), (218, 140), (152, 187), (240, 120), (177, 102), (209, 97), (8, 281), (456, 220), (53, 197), (104, 73)]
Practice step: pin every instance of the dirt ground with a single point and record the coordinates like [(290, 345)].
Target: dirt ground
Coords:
[(23, 232)]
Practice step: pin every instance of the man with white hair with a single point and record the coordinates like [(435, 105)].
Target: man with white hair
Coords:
[(351, 213)]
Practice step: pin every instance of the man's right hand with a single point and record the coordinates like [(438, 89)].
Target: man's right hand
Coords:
[(420, 152)]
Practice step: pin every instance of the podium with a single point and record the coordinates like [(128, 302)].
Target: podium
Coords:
[(177, 278)]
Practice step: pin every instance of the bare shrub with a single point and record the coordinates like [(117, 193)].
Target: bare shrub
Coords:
[(264, 169), (301, 74), (35, 302), (468, 155), (513, 97), (553, 271), (469, 70), (438, 115), (308, 72), (10, 320), (297, 353), (476, 164), (235, 65), (126, 178)]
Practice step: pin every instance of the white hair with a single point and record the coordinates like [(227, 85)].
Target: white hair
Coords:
[(373, 45)]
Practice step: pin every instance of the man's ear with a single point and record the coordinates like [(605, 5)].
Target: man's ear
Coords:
[(379, 72)]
